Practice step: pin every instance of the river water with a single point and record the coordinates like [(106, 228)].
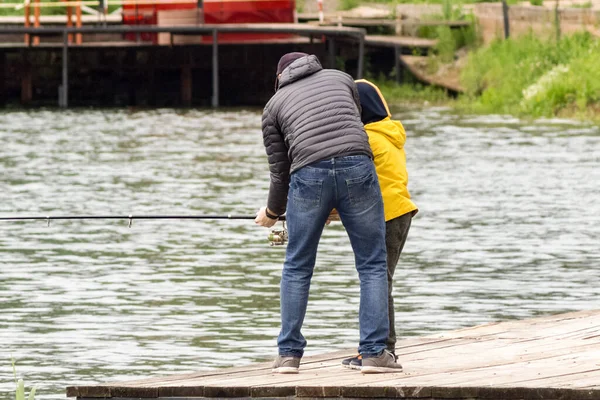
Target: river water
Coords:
[(508, 228)]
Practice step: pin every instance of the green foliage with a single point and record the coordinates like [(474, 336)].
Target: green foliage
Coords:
[(537, 77), (582, 5), (450, 39), (443, 1), (446, 45), (341, 64), (395, 93), (447, 10), (20, 391), (348, 4), (536, 2)]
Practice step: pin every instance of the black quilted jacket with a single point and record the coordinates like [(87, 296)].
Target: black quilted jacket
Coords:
[(313, 116)]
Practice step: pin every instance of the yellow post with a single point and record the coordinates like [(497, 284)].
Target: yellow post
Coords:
[(36, 22), (27, 22), (78, 38), (70, 21)]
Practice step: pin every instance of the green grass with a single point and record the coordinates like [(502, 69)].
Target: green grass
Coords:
[(21, 11), (349, 4), (582, 5), (442, 1), (526, 77), (411, 93), (535, 77)]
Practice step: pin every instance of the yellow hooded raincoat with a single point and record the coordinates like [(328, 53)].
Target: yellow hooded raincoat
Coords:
[(387, 138)]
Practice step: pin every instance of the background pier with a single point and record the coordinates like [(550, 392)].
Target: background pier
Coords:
[(205, 71)]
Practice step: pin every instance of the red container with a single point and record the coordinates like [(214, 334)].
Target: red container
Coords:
[(217, 12)]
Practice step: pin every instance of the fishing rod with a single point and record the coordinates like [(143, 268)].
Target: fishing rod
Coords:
[(276, 237)]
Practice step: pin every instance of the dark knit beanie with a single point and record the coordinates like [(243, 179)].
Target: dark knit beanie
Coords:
[(287, 59)]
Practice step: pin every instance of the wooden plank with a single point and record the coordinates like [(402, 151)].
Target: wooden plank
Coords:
[(417, 65), (402, 41), (551, 357), (360, 22), (547, 325), (262, 367), (452, 24)]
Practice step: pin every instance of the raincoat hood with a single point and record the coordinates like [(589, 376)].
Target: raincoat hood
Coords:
[(376, 116)]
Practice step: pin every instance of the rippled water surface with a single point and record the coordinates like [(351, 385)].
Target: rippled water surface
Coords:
[(509, 227)]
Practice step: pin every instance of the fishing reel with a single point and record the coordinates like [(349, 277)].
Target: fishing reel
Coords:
[(278, 237)]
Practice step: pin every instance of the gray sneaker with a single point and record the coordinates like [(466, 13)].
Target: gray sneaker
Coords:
[(385, 362), (286, 365)]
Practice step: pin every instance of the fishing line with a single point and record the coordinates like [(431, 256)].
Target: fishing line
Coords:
[(276, 237)]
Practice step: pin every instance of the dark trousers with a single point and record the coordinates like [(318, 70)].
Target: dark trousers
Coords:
[(396, 231)]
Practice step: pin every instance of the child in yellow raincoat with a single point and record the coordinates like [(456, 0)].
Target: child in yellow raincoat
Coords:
[(387, 138)]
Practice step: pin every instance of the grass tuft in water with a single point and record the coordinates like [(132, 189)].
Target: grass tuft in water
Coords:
[(20, 390)]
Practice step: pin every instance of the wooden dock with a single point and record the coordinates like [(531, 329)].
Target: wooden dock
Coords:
[(417, 65), (399, 41), (552, 357), (192, 53)]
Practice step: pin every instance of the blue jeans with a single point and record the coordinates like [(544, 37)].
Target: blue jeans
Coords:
[(348, 184)]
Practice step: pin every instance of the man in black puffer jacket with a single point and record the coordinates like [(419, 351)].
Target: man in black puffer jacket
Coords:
[(320, 160)]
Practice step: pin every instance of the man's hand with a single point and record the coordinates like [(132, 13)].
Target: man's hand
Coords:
[(262, 219)]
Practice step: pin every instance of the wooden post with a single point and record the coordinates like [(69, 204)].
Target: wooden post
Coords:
[(64, 89), (361, 56), (131, 75), (36, 22), (331, 51), (506, 19), (186, 86), (27, 23), (78, 37), (215, 68), (398, 26), (2, 78), (152, 94), (398, 65), (26, 82)]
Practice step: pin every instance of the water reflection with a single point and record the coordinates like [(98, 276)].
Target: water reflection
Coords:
[(508, 228)]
